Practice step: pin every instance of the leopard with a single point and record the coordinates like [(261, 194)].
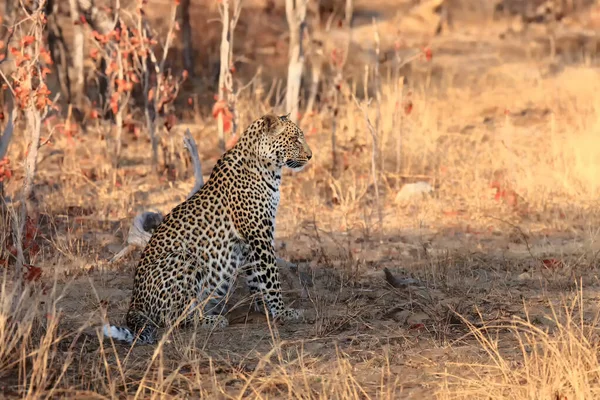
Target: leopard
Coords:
[(225, 230)]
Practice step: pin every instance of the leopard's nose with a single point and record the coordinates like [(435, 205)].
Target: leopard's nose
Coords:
[(309, 156)]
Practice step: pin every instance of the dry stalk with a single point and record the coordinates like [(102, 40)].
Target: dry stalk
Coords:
[(123, 103), (377, 86), (374, 147), (398, 118)]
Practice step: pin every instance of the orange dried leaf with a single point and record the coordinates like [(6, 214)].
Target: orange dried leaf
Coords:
[(33, 273), (45, 56), (27, 40)]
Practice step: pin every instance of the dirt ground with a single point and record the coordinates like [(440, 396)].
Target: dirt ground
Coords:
[(497, 268)]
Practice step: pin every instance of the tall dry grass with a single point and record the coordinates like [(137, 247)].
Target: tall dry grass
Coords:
[(40, 357), (523, 359)]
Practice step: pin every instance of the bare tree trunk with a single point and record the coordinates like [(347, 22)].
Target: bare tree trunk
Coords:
[(78, 84), (316, 65), (348, 13), (34, 126), (186, 37), (102, 23), (226, 90), (224, 67), (296, 18), (8, 20)]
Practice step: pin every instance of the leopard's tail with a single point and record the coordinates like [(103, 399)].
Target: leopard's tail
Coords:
[(118, 333), (139, 330)]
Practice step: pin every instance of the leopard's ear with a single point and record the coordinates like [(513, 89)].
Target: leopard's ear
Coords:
[(273, 124)]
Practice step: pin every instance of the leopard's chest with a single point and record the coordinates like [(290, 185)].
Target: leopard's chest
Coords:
[(275, 202)]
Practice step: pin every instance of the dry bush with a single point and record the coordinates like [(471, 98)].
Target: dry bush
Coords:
[(556, 360)]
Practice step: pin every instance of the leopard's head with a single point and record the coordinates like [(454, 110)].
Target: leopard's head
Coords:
[(282, 142)]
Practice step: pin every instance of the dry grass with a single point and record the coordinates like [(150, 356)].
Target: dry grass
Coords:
[(487, 318), (560, 362)]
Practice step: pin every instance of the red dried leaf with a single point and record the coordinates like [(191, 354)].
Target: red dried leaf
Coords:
[(33, 249), (428, 53), (170, 121), (33, 273), (27, 40), (552, 263), (45, 71), (114, 102), (221, 107), (5, 171), (418, 326)]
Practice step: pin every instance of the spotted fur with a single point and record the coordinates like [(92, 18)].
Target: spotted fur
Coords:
[(226, 228)]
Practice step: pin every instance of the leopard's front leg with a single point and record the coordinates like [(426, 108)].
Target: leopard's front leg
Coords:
[(262, 277)]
